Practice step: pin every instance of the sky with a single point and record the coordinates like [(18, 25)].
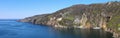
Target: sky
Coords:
[(19, 9)]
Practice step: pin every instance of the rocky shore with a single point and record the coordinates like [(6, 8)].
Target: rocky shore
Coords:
[(115, 34)]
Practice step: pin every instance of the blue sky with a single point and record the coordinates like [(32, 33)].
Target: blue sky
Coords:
[(17, 9)]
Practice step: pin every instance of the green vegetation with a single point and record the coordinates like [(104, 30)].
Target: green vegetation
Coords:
[(114, 22), (96, 14), (67, 21), (70, 18)]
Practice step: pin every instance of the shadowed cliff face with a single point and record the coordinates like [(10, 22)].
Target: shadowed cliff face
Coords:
[(104, 15)]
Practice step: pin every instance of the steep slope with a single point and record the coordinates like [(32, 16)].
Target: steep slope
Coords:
[(103, 15)]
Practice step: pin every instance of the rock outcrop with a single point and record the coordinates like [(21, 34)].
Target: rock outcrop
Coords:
[(102, 15)]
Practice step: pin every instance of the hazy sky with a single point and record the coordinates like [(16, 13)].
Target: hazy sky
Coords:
[(23, 8)]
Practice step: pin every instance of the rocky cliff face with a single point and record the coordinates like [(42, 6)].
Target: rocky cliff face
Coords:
[(102, 15)]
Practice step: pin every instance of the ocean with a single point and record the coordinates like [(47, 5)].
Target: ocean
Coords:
[(10, 28)]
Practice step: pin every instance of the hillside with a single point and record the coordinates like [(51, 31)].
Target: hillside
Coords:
[(103, 15)]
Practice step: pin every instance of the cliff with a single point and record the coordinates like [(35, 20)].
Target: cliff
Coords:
[(102, 15)]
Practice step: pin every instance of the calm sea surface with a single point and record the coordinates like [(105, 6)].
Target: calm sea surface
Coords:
[(10, 28)]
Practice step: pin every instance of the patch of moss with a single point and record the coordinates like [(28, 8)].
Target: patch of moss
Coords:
[(119, 25), (70, 18)]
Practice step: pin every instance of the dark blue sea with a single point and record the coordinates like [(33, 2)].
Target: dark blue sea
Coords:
[(10, 28)]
